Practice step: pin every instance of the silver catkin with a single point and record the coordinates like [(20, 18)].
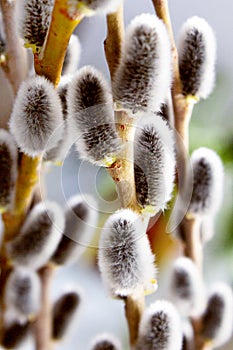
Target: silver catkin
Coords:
[(22, 294), (154, 163), (143, 77), (217, 319), (81, 218), (160, 328), (197, 56), (34, 20), (39, 236), (63, 312), (208, 177), (36, 114), (105, 342), (8, 174), (91, 117), (126, 261)]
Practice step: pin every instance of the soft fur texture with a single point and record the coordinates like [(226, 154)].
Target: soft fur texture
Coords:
[(187, 288), (81, 219), (23, 294), (8, 173), (34, 20), (37, 116), (154, 163), (218, 317), (63, 313), (197, 56), (143, 77), (160, 328), (208, 177), (126, 261), (91, 117), (39, 236), (105, 342), (57, 152)]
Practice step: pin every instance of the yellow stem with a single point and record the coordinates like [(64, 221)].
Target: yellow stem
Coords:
[(49, 62), (134, 307), (122, 171)]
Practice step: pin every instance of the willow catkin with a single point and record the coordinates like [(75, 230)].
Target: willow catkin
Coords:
[(91, 117), (38, 237), (197, 56), (126, 261), (143, 77), (36, 114)]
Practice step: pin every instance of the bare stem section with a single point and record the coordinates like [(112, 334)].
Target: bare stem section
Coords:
[(49, 62), (134, 307), (15, 66), (43, 325), (113, 42)]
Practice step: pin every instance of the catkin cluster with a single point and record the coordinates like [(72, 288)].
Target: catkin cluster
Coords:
[(85, 110)]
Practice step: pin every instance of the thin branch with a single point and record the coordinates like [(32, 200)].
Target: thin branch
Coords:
[(43, 324), (134, 307), (114, 39), (49, 62), (122, 170), (15, 67)]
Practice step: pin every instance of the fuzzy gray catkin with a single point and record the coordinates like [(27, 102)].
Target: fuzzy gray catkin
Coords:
[(35, 16), (8, 174), (126, 261), (22, 294), (72, 56), (154, 163), (39, 236), (160, 328), (92, 7), (143, 77), (105, 342), (91, 117), (36, 114), (187, 288), (81, 218), (57, 152), (217, 319), (63, 312), (208, 179), (197, 56)]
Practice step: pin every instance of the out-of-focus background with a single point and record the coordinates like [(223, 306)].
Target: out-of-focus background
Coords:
[(211, 126)]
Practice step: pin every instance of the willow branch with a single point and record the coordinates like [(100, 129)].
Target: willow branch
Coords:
[(15, 67), (43, 324), (122, 170), (134, 307), (49, 62), (114, 39)]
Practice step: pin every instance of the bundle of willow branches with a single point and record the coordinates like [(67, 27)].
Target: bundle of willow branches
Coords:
[(137, 128)]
